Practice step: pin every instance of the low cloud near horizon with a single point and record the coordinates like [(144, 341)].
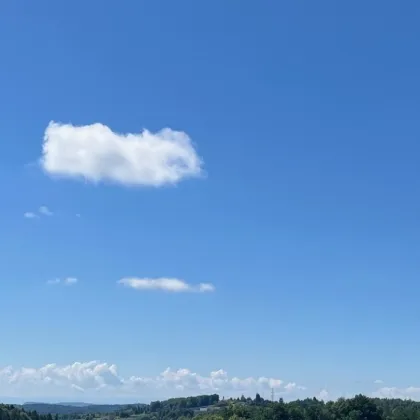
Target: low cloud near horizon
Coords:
[(97, 379), (95, 153)]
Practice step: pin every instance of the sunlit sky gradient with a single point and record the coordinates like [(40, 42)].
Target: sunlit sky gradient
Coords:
[(214, 196)]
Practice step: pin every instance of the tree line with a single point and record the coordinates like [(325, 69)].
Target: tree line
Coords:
[(210, 407), (12, 412)]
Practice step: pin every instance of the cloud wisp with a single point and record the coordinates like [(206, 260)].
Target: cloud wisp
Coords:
[(30, 215), (68, 281), (44, 210), (323, 395), (410, 392), (97, 154), (102, 379), (166, 284)]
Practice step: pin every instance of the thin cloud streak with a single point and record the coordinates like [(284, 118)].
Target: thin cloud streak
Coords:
[(166, 284), (68, 281), (44, 210)]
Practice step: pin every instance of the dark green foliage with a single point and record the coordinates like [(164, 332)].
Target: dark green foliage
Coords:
[(11, 412), (209, 407), (358, 408), (43, 408)]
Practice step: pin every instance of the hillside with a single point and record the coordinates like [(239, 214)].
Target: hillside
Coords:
[(11, 412), (209, 407), (44, 408)]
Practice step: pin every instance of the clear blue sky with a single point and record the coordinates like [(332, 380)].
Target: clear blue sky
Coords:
[(306, 221)]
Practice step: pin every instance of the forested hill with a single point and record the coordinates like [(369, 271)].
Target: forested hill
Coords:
[(10, 412), (126, 410), (209, 407), (43, 408), (358, 408)]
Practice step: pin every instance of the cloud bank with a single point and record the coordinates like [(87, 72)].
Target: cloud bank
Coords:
[(410, 392), (166, 284), (96, 379), (95, 153), (101, 381)]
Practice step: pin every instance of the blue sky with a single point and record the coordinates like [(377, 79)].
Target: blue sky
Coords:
[(292, 196)]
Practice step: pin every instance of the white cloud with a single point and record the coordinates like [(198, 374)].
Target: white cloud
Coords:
[(393, 392), (53, 281), (68, 281), (45, 211), (42, 210), (206, 287), (166, 284), (96, 153), (378, 382), (292, 386), (97, 379), (323, 395), (77, 388)]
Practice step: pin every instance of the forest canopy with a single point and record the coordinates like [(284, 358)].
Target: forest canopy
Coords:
[(211, 407)]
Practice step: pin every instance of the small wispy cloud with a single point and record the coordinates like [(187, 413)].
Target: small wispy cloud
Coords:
[(77, 388), (292, 386), (411, 393), (206, 287), (378, 381), (323, 395), (68, 281), (30, 215), (54, 281), (166, 284), (44, 210)]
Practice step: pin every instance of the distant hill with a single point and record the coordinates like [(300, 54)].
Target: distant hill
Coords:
[(209, 407), (70, 404), (8, 411), (72, 408)]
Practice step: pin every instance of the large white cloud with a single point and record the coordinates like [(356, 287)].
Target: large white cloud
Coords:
[(166, 284), (96, 153), (100, 380)]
